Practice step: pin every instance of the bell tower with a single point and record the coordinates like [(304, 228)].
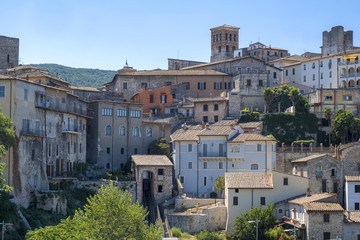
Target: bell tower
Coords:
[(224, 41)]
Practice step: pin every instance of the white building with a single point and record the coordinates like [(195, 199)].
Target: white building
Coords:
[(202, 153), (352, 193), (244, 190)]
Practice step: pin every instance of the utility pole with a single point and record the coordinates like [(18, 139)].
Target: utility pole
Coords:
[(257, 227), (3, 229)]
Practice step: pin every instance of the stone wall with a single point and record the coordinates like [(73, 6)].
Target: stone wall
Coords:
[(177, 64), (350, 155), (9, 52), (51, 201), (336, 40), (191, 202), (315, 225)]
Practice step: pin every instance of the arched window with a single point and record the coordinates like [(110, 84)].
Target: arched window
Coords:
[(230, 37), (227, 48), (135, 131), (254, 167), (149, 132), (219, 48), (108, 130), (122, 131)]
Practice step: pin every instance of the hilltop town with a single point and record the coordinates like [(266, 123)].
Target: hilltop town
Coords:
[(275, 128)]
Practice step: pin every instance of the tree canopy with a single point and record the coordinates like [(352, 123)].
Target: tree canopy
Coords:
[(159, 147), (220, 184), (110, 214), (243, 229), (345, 123)]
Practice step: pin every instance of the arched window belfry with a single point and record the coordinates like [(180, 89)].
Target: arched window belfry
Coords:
[(108, 130), (122, 131)]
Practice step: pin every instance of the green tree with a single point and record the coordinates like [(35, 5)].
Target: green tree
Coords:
[(342, 123), (159, 147), (268, 96), (110, 214), (220, 184), (294, 95), (281, 95), (355, 128), (328, 114), (243, 229), (277, 233)]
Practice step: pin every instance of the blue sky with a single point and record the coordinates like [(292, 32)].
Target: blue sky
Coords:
[(103, 34)]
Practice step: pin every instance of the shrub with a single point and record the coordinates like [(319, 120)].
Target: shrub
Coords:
[(213, 194), (206, 235), (176, 232)]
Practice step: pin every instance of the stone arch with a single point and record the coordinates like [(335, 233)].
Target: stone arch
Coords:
[(343, 71), (358, 70), (358, 83), (351, 70), (351, 83), (343, 84)]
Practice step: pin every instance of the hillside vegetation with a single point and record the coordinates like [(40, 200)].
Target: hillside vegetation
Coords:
[(79, 76)]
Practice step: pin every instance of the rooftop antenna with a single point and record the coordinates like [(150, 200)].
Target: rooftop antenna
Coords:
[(126, 63)]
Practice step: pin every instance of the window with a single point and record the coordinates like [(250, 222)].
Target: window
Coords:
[(205, 119), (108, 150), (330, 74), (274, 75), (124, 85), (318, 171), (293, 71), (205, 107), (80, 148), (254, 166), (182, 179), (135, 131), (135, 113), (235, 201), (313, 65), (204, 165), (217, 85), (248, 82), (68, 147), (357, 188), (163, 98), (232, 165), (234, 37), (189, 165), (230, 37), (335, 187), (304, 78), (260, 83), (107, 112), (226, 36), (286, 181), (304, 66), (189, 147), (216, 118), (220, 165), (25, 126), (347, 98), (108, 165), (216, 107), (357, 206), (25, 94), (160, 188), (151, 98), (227, 85), (149, 132), (57, 150), (262, 201), (201, 85), (122, 131), (135, 151), (219, 49), (49, 150), (259, 147), (321, 75), (187, 85), (313, 77), (205, 180), (327, 98), (236, 190), (2, 91), (108, 130), (326, 217), (323, 187), (333, 171), (160, 171), (32, 155), (327, 235), (321, 63), (122, 150), (121, 113)]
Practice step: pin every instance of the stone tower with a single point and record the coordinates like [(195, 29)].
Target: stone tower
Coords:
[(9, 52), (337, 40), (224, 41)]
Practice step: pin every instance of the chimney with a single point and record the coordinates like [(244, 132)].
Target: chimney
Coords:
[(348, 215), (203, 125), (207, 126), (308, 193)]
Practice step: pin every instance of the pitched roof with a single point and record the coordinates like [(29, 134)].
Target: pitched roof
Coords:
[(323, 207), (214, 99), (224, 26), (312, 157), (172, 73), (352, 216), (247, 180), (40, 74), (85, 88), (352, 178), (242, 137), (190, 133), (314, 198), (217, 130), (250, 124), (151, 160)]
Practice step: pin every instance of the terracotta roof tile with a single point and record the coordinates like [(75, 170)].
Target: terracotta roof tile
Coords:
[(328, 197), (151, 160), (40, 74), (249, 180), (85, 88), (352, 178), (214, 99), (352, 216), (323, 207), (250, 137), (312, 157), (217, 130), (173, 73), (250, 124), (190, 134)]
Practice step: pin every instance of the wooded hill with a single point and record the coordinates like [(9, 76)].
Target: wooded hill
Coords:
[(79, 76)]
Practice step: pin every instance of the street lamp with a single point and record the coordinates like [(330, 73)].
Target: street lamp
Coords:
[(257, 227)]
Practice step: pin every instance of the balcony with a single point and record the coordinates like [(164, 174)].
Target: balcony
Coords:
[(71, 130), (348, 63), (32, 133), (216, 156)]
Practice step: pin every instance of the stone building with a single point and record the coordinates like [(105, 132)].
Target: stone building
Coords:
[(224, 41), (153, 175), (9, 52), (349, 154), (336, 40), (129, 82), (118, 130), (210, 109), (324, 173), (261, 51), (177, 64), (50, 135)]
